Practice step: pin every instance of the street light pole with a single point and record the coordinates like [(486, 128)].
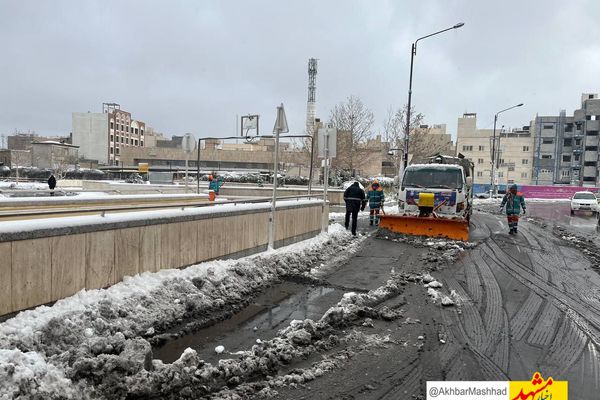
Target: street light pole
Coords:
[(494, 155), (412, 58)]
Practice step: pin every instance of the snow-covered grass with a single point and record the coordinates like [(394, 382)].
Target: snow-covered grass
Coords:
[(91, 345), (91, 196), (23, 185)]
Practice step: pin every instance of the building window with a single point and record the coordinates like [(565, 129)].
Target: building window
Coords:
[(565, 173), (126, 140), (142, 131), (548, 126), (479, 173), (467, 148), (122, 128), (525, 148), (112, 138), (577, 157), (589, 164), (117, 151), (591, 148), (501, 174), (578, 125), (111, 150), (592, 133), (136, 142), (480, 161), (501, 161), (588, 117), (577, 142), (122, 141), (112, 125), (523, 174), (547, 141), (136, 131), (567, 158), (546, 156), (524, 161), (511, 168), (568, 142), (481, 148), (569, 128), (127, 129), (142, 143)]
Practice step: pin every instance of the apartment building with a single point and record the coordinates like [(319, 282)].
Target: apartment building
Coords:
[(102, 136), (514, 152), (566, 147)]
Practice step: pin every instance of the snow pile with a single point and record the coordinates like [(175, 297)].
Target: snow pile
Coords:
[(441, 251), (97, 344)]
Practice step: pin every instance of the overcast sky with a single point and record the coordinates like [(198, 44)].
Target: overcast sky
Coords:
[(192, 66)]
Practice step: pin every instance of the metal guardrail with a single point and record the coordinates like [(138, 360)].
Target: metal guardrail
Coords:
[(103, 210)]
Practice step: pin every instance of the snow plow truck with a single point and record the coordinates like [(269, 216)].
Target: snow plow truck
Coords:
[(435, 199)]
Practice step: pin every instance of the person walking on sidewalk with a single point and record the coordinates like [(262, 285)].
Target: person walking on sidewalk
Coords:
[(51, 184), (514, 202), (355, 200), (376, 199), (215, 184)]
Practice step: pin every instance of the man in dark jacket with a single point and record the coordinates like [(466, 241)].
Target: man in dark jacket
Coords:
[(52, 184), (355, 200)]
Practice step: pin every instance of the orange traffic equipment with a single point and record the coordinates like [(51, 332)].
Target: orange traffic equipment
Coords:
[(456, 229)]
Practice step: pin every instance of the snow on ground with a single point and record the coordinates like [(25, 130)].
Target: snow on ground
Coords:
[(96, 344), (23, 185), (90, 196)]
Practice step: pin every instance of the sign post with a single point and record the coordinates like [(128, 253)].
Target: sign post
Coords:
[(327, 149), (188, 143), (281, 126)]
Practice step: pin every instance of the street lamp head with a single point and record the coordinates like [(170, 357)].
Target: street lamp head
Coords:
[(460, 24), (519, 105)]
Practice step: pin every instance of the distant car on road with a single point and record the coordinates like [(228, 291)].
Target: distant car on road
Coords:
[(584, 201)]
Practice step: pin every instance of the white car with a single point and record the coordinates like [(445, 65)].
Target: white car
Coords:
[(584, 201)]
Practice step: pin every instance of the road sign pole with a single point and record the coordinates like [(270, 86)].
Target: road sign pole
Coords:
[(326, 178), (280, 126)]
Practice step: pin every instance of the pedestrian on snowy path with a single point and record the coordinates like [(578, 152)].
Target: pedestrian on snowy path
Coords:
[(215, 184), (355, 200), (376, 199), (514, 202), (52, 184)]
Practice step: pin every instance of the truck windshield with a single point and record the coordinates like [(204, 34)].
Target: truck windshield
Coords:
[(450, 178)]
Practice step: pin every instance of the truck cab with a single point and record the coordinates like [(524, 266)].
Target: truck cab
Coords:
[(441, 186)]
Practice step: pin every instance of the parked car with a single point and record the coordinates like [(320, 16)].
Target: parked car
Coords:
[(584, 201)]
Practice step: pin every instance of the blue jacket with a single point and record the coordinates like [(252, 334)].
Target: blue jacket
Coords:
[(514, 203), (376, 198), (215, 185)]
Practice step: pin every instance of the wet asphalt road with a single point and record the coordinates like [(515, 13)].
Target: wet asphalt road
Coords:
[(529, 302)]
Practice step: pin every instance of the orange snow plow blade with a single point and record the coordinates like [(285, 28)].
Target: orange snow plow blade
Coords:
[(426, 226)]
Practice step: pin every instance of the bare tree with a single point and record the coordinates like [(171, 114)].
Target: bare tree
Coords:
[(20, 158), (61, 165), (394, 128), (354, 122)]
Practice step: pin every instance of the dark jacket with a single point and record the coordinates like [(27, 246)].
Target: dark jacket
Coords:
[(52, 182), (354, 197)]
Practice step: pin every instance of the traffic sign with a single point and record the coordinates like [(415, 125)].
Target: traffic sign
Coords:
[(281, 124), (188, 143), (327, 138)]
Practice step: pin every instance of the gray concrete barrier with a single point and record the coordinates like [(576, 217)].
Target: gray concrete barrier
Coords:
[(41, 262)]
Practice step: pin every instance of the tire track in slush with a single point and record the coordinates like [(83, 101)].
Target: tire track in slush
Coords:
[(494, 310), (474, 285), (521, 321), (472, 323), (544, 330), (565, 300), (567, 348)]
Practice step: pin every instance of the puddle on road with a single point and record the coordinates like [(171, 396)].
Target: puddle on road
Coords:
[(270, 311), (560, 212)]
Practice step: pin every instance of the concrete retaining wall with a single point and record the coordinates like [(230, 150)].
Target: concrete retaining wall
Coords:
[(38, 266), (335, 196)]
